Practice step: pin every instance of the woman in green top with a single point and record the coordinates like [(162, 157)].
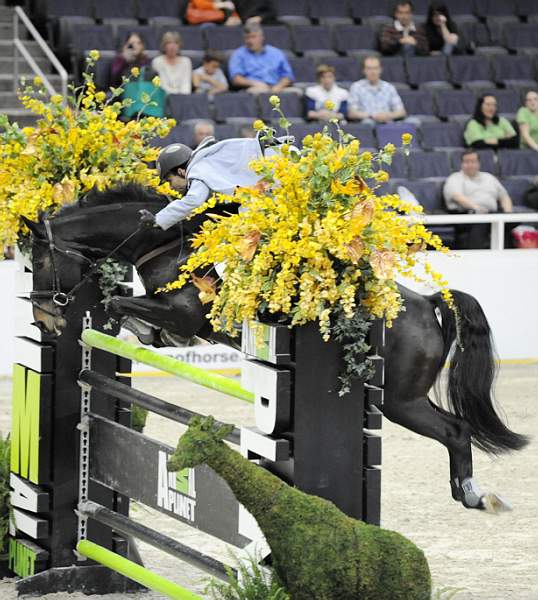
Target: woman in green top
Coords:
[(486, 129), (527, 118)]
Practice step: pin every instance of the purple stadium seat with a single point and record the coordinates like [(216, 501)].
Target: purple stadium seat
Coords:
[(512, 70), (149, 9), (461, 7), (470, 71), (223, 38), (418, 103), (429, 164), (67, 8), (520, 35), (334, 12), (475, 34), (88, 37), (399, 168), (292, 106), (393, 70), (370, 8), (301, 130), (428, 194), (292, 12), (526, 8), (454, 102), (495, 8), (312, 40), (441, 135), (303, 69), (347, 68), (278, 36), (180, 134), (235, 106), (517, 188), (354, 37), (185, 107), (105, 10), (391, 133), (427, 71), (364, 133), (148, 34), (487, 161), (518, 162)]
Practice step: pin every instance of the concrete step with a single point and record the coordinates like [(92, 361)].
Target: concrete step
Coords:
[(8, 100), (6, 66), (6, 48), (6, 13), (6, 82)]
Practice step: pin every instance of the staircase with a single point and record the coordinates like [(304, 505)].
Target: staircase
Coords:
[(9, 103)]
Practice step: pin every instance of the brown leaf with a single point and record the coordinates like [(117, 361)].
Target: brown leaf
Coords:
[(418, 247), (248, 245), (355, 249), (363, 186), (63, 192), (363, 211), (206, 285), (382, 264)]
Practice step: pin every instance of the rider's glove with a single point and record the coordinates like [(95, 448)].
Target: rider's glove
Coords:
[(147, 219)]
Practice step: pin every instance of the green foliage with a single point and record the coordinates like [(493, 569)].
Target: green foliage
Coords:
[(318, 552), (138, 418), (5, 446), (252, 584)]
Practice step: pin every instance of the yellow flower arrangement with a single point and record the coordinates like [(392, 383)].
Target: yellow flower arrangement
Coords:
[(77, 143), (312, 235)]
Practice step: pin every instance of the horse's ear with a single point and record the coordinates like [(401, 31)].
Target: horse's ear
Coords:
[(35, 228)]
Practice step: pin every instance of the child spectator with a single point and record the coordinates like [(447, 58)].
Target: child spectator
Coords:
[(440, 30), (209, 78), (175, 71), (132, 54), (326, 90), (486, 129), (527, 118)]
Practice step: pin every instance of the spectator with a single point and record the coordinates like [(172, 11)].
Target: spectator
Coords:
[(373, 100), (259, 67), (132, 54), (486, 129), (403, 37), (209, 78), (318, 95), (527, 118), (256, 11), (202, 129), (473, 191), (440, 30), (247, 132), (174, 70), (209, 11)]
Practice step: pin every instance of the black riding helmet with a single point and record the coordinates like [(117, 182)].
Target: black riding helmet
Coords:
[(173, 156)]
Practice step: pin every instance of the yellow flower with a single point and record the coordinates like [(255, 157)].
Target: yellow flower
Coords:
[(366, 156), (38, 82), (156, 81), (94, 55), (390, 148), (274, 101), (100, 97), (330, 105), (406, 138), (381, 176), (135, 71), (258, 125), (56, 99)]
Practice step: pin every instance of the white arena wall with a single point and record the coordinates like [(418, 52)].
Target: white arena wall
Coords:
[(504, 282)]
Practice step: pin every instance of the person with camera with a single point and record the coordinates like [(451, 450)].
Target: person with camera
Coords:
[(132, 54)]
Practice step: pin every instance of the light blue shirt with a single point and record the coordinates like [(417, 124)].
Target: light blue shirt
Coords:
[(373, 99), (218, 168), (270, 65)]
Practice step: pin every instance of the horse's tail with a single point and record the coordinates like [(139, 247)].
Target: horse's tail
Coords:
[(472, 372)]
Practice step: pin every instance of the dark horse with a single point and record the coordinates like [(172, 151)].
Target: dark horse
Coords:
[(417, 346)]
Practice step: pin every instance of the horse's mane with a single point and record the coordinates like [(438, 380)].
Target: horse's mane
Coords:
[(126, 193)]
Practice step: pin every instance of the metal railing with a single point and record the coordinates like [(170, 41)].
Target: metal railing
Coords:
[(497, 222), (20, 17)]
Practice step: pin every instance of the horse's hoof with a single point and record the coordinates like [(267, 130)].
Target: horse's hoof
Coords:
[(494, 504)]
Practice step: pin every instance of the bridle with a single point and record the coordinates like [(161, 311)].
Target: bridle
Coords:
[(59, 298)]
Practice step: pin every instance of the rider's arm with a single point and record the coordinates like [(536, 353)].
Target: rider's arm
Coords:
[(178, 209)]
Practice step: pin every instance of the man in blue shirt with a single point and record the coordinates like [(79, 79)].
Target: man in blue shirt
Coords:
[(259, 67)]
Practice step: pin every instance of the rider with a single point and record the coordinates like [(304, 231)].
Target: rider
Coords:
[(212, 167)]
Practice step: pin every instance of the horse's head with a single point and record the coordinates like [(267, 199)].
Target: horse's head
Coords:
[(56, 269), (202, 440)]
